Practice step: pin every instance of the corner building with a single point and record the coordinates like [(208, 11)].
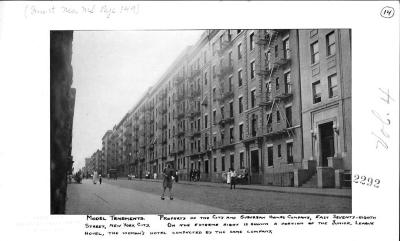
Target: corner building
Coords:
[(235, 99)]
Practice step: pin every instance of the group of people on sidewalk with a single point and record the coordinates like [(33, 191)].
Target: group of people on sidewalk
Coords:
[(194, 175)]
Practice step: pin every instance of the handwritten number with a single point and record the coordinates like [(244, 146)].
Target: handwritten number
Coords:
[(370, 181), (356, 177), (363, 180), (377, 181), (387, 97)]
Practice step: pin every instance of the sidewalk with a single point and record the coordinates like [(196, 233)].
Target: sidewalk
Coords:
[(333, 192)]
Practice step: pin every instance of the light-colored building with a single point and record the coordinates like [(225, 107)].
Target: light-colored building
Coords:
[(243, 99), (325, 57)]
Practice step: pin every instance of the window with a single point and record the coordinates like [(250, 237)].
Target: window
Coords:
[(205, 121), (238, 31), (316, 87), (276, 51), (198, 145), (269, 57), (253, 125), (330, 44), (269, 123), (215, 141), (270, 152), (230, 83), (314, 52), (215, 164), (332, 84), (198, 124), (279, 151), (221, 38), (229, 35), (231, 109), (241, 160), (222, 113), (205, 78), (214, 71), (205, 142), (288, 111), (288, 85), (214, 94), (239, 51), (214, 116), (231, 134), (251, 41), (253, 98), (278, 116), (240, 105), (277, 83), (213, 49), (286, 49), (268, 91), (205, 57), (289, 152), (241, 132), (252, 70), (223, 163), (240, 80), (230, 58)]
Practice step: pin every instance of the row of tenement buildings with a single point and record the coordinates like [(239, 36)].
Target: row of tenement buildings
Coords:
[(274, 102)]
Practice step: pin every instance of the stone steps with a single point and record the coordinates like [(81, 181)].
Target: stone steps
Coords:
[(312, 182)]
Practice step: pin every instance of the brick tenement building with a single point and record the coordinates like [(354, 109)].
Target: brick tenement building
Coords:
[(232, 100)]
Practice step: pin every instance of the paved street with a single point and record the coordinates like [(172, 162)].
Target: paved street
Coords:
[(143, 197), (88, 198)]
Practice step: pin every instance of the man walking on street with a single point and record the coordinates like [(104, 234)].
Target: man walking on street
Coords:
[(168, 175)]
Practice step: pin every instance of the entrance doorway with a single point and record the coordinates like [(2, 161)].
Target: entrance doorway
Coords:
[(255, 168), (327, 142)]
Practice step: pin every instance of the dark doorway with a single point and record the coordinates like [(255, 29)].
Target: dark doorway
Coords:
[(254, 162), (327, 142), (232, 164), (270, 156), (206, 166)]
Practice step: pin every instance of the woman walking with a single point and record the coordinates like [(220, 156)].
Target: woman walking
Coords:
[(228, 176), (233, 178)]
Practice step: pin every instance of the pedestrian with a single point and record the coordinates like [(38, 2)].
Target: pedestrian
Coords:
[(233, 178), (100, 179), (168, 174), (228, 176), (191, 175), (198, 174), (94, 177)]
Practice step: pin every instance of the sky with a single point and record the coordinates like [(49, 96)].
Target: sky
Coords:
[(111, 71)]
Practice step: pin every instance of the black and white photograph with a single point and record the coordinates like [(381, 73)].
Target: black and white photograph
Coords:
[(199, 120), (202, 121)]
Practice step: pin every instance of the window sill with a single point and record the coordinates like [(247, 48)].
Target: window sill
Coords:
[(331, 56), (314, 64)]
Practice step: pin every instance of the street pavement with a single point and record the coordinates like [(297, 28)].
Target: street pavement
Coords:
[(124, 196), (89, 198)]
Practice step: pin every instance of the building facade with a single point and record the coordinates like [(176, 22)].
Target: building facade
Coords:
[(241, 99)]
